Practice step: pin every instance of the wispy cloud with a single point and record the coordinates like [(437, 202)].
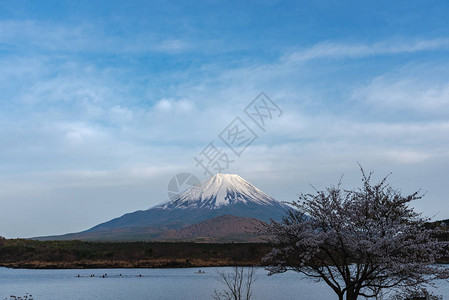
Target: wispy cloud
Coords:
[(29, 35), (357, 50)]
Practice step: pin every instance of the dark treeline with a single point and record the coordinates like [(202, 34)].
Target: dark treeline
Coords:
[(20, 253)]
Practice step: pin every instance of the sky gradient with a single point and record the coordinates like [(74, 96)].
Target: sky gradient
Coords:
[(103, 102)]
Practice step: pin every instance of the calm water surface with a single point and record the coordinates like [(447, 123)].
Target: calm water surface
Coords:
[(154, 284)]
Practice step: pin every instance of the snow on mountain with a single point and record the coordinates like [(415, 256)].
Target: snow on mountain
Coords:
[(218, 191)]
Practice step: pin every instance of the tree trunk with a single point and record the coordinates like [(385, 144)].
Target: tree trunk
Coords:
[(351, 295)]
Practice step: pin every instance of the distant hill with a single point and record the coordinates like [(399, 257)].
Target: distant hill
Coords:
[(219, 229), (220, 195)]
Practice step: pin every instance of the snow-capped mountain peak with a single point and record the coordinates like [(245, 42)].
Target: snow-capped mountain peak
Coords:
[(218, 191), (220, 195)]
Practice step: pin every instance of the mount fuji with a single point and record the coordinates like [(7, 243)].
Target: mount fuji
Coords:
[(207, 204)]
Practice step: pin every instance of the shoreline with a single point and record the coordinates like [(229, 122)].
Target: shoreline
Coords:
[(122, 265)]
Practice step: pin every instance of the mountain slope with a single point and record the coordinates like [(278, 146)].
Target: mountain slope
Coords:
[(222, 194), (223, 228)]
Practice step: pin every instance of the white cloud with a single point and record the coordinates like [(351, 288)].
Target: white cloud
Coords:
[(120, 114), (420, 88), (171, 105), (78, 133), (407, 156), (164, 104), (173, 46)]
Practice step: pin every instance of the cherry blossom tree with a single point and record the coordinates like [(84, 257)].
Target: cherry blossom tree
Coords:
[(361, 242)]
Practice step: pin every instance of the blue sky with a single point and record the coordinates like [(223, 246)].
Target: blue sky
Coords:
[(103, 102)]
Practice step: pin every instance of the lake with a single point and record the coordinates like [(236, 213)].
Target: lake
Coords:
[(153, 284)]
